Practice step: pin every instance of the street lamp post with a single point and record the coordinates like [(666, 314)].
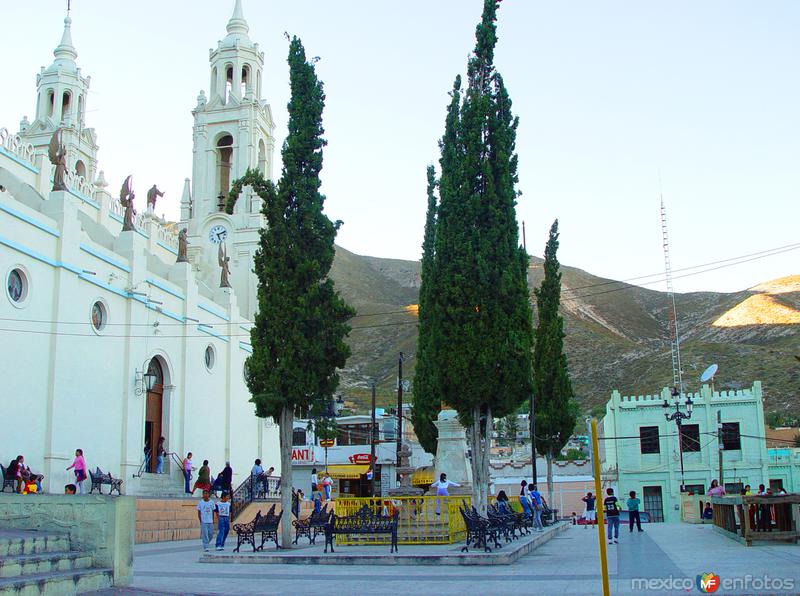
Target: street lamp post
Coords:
[(679, 417)]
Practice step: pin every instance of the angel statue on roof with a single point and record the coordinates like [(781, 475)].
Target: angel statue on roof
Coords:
[(58, 157), (126, 197), (224, 259)]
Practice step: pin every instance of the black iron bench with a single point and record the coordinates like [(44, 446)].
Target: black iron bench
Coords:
[(478, 530), (267, 525), (313, 525), (99, 479), (8, 479), (363, 522), (549, 516), (509, 522)]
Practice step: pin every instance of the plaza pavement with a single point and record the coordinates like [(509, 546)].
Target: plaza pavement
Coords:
[(567, 564)]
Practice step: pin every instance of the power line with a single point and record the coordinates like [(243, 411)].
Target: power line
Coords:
[(661, 273)]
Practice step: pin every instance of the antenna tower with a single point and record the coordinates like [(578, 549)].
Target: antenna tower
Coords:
[(674, 336)]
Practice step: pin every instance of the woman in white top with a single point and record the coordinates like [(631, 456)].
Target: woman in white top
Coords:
[(441, 489), (314, 482)]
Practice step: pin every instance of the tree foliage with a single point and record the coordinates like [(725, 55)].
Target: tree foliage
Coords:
[(556, 410), (427, 401), (479, 321), (298, 336)]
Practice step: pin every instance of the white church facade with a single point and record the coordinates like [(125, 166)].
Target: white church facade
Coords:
[(107, 341)]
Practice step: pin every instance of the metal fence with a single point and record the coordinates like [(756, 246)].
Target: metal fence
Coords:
[(420, 520)]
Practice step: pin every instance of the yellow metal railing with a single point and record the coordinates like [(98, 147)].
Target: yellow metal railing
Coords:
[(417, 521)]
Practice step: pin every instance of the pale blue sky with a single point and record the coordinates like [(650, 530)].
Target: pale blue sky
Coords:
[(612, 96)]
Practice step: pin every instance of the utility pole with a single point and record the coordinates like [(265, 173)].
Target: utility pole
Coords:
[(720, 445), (399, 407), (372, 439), (532, 412)]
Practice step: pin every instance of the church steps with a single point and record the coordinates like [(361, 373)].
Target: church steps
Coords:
[(57, 582)]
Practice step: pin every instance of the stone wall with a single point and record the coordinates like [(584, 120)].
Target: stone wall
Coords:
[(101, 525)]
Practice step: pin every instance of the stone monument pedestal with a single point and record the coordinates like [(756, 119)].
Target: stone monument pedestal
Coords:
[(451, 454)]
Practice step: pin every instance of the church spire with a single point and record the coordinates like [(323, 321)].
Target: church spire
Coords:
[(238, 24), (65, 51)]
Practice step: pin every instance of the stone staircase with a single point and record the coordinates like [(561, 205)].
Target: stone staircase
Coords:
[(33, 562), (160, 485)]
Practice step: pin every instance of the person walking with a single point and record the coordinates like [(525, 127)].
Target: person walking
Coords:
[(633, 512), (441, 489), (206, 512), (590, 513), (187, 473), (326, 485), (203, 481), (611, 510), (160, 455), (524, 499), (538, 507), (223, 509), (79, 467), (314, 481)]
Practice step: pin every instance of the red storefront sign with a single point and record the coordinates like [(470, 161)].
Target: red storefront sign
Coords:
[(303, 454), (360, 458)]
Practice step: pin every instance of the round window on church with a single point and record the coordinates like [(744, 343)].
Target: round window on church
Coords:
[(210, 357), (17, 286), (99, 316)]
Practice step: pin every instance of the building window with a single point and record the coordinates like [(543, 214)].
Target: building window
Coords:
[(696, 489), (734, 488), (210, 357), (17, 286), (99, 316), (690, 438), (299, 437), (731, 439), (80, 168), (648, 437), (224, 163)]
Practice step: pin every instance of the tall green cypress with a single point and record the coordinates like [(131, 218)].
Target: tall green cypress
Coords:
[(426, 396), (556, 410), (298, 336), (480, 317)]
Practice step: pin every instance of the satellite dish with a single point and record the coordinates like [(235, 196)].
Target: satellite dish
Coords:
[(708, 374)]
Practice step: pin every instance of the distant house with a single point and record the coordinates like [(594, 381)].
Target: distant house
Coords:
[(641, 449)]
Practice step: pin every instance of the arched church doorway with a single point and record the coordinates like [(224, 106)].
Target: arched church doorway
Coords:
[(154, 411)]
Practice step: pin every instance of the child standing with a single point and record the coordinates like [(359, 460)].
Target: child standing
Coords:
[(206, 511), (79, 466), (633, 512), (223, 521), (590, 515), (612, 515)]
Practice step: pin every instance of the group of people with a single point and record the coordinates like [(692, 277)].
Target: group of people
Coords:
[(161, 454), (532, 503), (210, 513), (326, 483), (611, 512), (221, 483), (27, 482)]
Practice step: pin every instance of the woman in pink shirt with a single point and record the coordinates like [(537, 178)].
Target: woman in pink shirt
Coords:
[(79, 465)]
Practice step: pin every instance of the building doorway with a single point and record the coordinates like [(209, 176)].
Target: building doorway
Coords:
[(653, 503), (153, 416)]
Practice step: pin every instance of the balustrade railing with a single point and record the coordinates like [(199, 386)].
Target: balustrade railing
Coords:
[(252, 489), (16, 145)]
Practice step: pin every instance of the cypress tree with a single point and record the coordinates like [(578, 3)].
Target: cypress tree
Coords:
[(426, 396), (480, 329), (556, 410), (298, 336)]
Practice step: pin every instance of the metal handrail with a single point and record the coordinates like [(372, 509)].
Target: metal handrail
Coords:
[(170, 455), (252, 489)]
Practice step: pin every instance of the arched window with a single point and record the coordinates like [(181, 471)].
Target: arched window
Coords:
[(51, 102), (228, 82), (245, 85), (65, 105), (154, 368), (81, 109), (258, 85), (224, 162), (262, 158), (213, 86), (80, 168)]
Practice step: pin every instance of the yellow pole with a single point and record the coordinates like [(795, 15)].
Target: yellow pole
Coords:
[(598, 506)]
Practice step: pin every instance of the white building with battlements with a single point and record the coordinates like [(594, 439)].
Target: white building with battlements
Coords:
[(107, 342)]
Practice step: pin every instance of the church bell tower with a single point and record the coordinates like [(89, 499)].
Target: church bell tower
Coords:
[(233, 132)]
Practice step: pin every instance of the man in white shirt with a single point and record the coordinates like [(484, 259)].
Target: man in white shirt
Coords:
[(206, 512)]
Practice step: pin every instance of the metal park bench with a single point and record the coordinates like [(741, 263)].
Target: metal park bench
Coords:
[(365, 521), (478, 530), (511, 521), (549, 516), (267, 525), (8, 479), (313, 525), (99, 479)]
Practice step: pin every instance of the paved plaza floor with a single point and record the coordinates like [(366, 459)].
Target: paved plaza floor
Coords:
[(666, 558)]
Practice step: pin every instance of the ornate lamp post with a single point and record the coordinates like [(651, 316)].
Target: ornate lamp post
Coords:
[(678, 417)]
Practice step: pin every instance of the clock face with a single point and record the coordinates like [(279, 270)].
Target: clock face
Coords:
[(217, 234)]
